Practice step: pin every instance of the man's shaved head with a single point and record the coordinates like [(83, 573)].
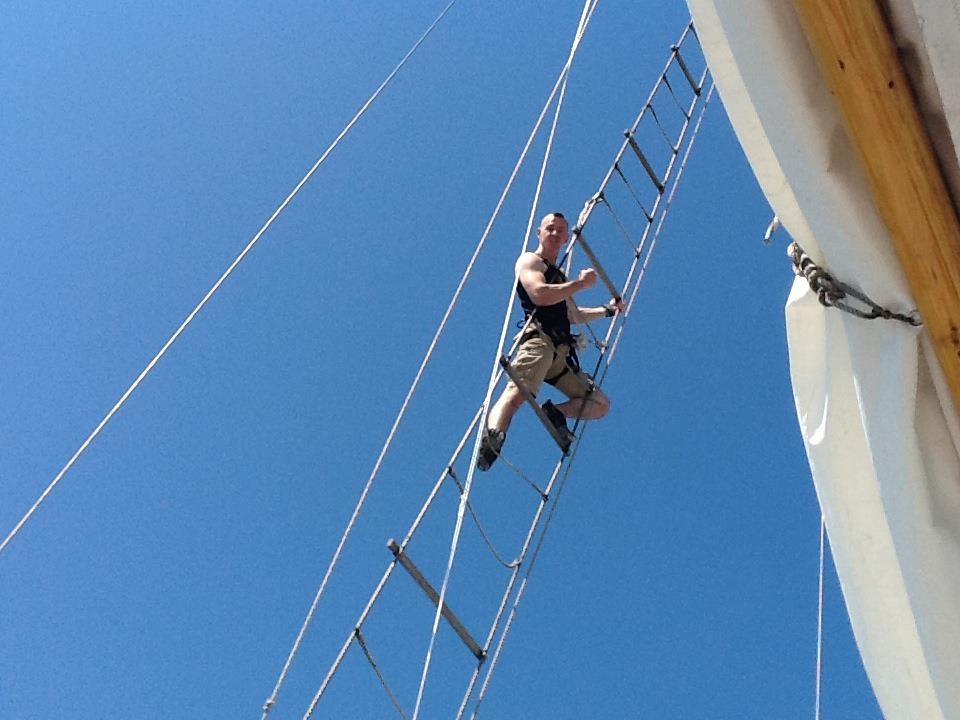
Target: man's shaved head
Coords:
[(552, 234)]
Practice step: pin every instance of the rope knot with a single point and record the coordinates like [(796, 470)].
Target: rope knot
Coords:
[(834, 293)]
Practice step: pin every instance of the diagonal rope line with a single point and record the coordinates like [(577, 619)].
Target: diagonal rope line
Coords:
[(673, 191), (609, 359), (460, 447), (666, 81), (529, 571), (816, 705), (656, 119), (597, 342), (476, 521), (376, 669), (510, 464), (626, 182), (406, 540), (216, 286), (585, 17), (374, 597), (508, 590), (663, 217), (544, 529), (535, 523), (623, 229), (481, 243)]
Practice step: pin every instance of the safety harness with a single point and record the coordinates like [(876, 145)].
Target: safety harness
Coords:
[(551, 320)]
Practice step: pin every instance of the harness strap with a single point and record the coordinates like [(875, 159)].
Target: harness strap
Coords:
[(553, 380), (572, 359), (528, 335)]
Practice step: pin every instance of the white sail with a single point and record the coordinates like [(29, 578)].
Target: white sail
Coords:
[(878, 422)]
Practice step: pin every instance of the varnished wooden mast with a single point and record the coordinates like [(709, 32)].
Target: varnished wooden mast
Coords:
[(858, 58)]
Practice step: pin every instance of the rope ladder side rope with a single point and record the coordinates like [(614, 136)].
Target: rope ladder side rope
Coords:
[(444, 321), (674, 184), (818, 679), (481, 243), (542, 534), (586, 14), (540, 522)]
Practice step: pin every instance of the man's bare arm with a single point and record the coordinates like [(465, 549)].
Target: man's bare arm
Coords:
[(583, 315), (530, 269)]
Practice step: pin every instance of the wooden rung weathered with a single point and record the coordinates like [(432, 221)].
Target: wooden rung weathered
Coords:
[(434, 596), (562, 442), (643, 161), (595, 263), (686, 71)]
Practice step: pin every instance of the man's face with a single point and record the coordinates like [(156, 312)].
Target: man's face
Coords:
[(552, 231)]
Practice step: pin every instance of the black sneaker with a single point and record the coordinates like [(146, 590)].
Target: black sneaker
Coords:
[(490, 448), (559, 421)]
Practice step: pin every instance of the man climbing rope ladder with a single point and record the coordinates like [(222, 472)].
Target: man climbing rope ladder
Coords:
[(547, 350)]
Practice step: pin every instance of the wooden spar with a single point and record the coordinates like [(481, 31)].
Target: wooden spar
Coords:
[(858, 58)]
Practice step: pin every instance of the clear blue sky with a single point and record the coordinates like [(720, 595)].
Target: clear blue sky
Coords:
[(166, 577)]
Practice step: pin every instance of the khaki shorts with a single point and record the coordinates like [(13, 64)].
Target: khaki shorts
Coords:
[(537, 360)]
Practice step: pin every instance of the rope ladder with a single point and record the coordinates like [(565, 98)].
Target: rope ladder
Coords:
[(641, 181)]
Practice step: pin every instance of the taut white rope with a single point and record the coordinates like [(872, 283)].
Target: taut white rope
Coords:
[(216, 286), (816, 700), (585, 17), (443, 323), (494, 658)]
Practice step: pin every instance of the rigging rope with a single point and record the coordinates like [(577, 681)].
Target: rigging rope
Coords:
[(216, 286), (523, 583), (629, 187), (609, 359), (390, 568), (833, 293), (483, 533), (380, 677), (663, 217), (585, 16), (443, 323), (620, 225), (507, 462), (535, 525), (816, 705)]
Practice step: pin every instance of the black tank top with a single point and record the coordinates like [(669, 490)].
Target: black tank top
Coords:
[(553, 319)]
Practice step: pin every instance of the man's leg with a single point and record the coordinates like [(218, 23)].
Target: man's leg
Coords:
[(586, 402), (592, 407), (530, 364), (506, 406)]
